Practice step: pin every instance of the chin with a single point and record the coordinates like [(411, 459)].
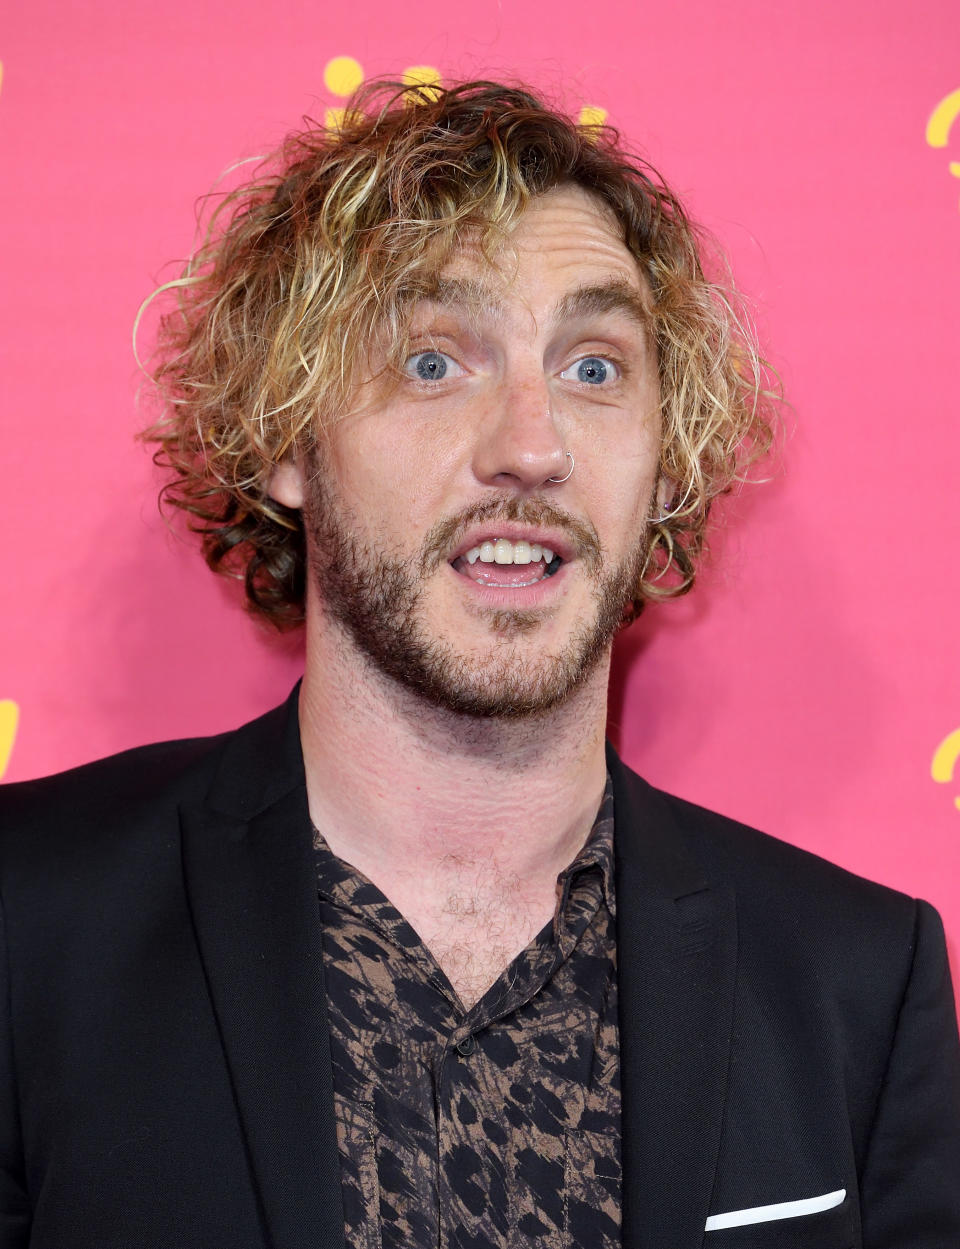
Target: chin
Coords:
[(517, 674)]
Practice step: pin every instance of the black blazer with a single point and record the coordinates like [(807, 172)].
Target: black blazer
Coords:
[(787, 1029)]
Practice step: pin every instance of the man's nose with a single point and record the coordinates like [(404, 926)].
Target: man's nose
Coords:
[(520, 443)]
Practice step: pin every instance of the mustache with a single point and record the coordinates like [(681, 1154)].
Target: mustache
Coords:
[(448, 533)]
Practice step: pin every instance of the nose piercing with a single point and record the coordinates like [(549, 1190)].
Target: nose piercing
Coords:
[(558, 480)]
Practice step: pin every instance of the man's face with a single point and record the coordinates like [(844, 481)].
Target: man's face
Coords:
[(511, 367)]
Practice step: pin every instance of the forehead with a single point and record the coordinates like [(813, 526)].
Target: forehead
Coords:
[(565, 241)]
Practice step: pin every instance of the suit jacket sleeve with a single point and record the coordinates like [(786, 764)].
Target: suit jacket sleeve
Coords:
[(14, 1207), (911, 1178)]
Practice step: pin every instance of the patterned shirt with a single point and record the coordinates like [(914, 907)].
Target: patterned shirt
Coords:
[(487, 1128)]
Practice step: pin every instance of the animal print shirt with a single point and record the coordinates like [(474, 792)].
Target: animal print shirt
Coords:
[(490, 1127)]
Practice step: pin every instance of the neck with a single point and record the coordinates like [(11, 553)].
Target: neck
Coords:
[(395, 784)]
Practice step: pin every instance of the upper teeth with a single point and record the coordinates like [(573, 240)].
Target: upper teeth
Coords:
[(503, 551)]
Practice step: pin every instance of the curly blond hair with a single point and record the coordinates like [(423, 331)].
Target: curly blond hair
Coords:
[(271, 320)]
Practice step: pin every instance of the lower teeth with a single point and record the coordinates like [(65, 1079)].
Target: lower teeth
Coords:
[(549, 571)]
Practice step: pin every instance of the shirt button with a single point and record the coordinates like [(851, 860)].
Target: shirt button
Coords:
[(466, 1046)]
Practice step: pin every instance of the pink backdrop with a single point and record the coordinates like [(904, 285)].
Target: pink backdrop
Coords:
[(809, 684)]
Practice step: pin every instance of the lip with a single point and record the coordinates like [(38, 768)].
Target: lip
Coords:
[(513, 597), (515, 531)]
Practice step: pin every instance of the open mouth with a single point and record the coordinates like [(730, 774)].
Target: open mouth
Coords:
[(504, 564)]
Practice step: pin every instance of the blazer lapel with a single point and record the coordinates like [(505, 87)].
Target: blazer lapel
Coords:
[(250, 879), (676, 962)]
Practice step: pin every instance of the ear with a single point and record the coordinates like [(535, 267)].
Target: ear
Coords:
[(286, 484), (665, 492)]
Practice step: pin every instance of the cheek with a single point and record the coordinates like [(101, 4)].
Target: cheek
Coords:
[(625, 477), (622, 522), (395, 473)]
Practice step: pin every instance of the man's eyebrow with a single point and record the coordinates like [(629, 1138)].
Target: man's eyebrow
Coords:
[(604, 297), (470, 294), (478, 299)]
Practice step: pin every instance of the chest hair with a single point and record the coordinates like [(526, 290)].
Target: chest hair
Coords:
[(477, 925)]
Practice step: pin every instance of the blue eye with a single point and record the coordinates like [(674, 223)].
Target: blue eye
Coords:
[(592, 370), (429, 366)]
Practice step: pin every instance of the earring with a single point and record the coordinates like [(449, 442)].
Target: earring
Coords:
[(671, 513)]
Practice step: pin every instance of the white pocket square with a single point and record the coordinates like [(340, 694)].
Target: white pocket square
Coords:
[(782, 1210)]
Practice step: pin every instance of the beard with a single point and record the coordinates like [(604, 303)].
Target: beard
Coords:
[(375, 596)]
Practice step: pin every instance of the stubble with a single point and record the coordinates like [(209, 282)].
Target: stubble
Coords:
[(375, 596)]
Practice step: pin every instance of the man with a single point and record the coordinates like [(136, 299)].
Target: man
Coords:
[(413, 960)]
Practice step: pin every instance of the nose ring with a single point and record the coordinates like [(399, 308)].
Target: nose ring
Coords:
[(558, 480)]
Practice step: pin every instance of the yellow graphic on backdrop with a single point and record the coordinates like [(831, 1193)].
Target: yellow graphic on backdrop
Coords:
[(424, 76), (590, 115), (9, 717), (343, 74), (945, 761), (940, 124)]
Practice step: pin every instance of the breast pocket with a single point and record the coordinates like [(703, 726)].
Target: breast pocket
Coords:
[(828, 1229)]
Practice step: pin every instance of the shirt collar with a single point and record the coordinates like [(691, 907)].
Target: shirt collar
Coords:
[(596, 852)]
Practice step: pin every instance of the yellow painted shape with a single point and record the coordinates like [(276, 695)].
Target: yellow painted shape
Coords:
[(955, 168), (945, 757), (333, 118), (942, 118), (9, 718), (425, 77), (590, 115), (343, 75)]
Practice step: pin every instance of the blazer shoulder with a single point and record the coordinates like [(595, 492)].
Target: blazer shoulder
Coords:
[(745, 853), (138, 789), (775, 882), (107, 792)]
